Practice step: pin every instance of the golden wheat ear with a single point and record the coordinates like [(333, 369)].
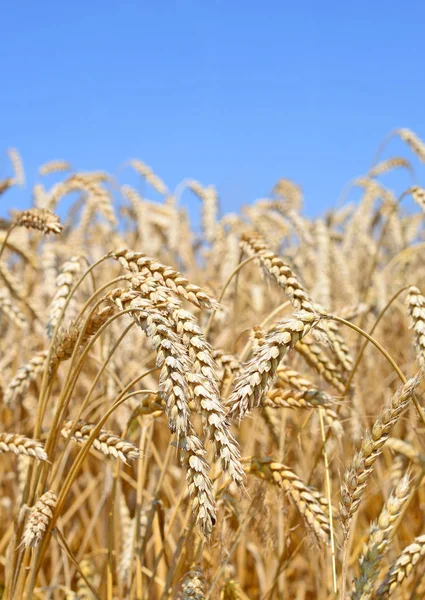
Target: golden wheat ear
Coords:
[(39, 519)]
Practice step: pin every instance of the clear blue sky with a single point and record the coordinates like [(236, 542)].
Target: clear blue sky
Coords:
[(235, 93)]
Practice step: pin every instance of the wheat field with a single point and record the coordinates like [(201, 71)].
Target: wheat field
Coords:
[(232, 411)]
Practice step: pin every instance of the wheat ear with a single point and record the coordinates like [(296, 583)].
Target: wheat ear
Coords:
[(402, 567), (379, 539), (12, 311), (232, 591), (308, 505), (108, 443), (19, 444), (67, 338), (206, 391), (193, 586), (172, 355), (304, 399), (258, 374), (39, 218), (415, 143), (277, 269), (39, 519), (389, 164), (356, 477), (198, 481), (22, 380), (138, 262), (64, 282), (416, 309), (54, 166)]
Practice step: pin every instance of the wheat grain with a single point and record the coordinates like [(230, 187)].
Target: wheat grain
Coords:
[(6, 184), (406, 449), (146, 171), (228, 366), (418, 195), (316, 358), (83, 590), (64, 282), (322, 290)]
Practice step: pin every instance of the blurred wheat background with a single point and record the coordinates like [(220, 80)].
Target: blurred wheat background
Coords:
[(231, 411)]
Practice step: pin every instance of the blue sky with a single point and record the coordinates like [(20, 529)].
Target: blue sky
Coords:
[(235, 93)]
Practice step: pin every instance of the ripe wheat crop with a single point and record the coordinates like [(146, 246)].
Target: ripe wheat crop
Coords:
[(234, 412)]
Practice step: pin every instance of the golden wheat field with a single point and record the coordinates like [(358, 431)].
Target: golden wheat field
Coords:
[(232, 412)]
